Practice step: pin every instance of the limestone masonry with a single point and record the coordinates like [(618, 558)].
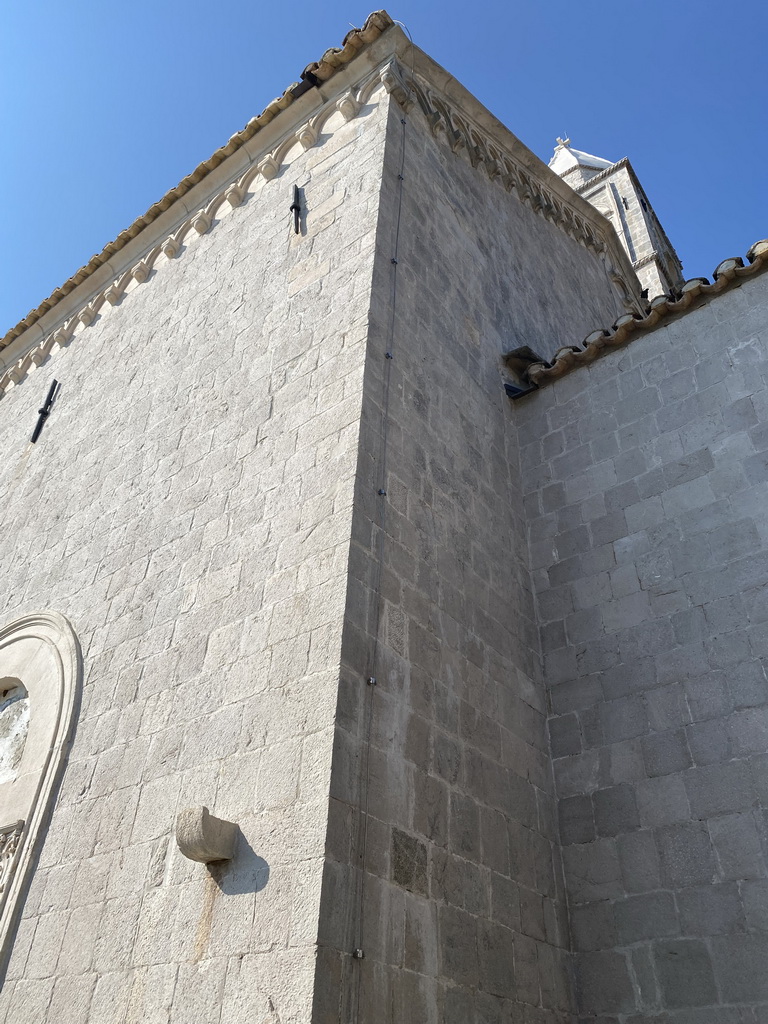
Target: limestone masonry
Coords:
[(338, 687)]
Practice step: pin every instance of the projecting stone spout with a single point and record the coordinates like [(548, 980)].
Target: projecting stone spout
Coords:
[(202, 837)]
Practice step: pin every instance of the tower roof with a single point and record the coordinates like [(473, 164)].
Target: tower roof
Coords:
[(565, 158)]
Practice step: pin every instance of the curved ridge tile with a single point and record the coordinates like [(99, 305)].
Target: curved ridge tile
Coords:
[(727, 273)]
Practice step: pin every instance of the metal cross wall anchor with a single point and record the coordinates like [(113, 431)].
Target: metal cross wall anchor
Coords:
[(45, 412)]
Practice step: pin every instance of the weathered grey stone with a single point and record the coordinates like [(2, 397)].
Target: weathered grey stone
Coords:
[(662, 801), (639, 859), (717, 789), (686, 855), (623, 719), (577, 820), (666, 753), (593, 871), (666, 708), (615, 810), (739, 962), (685, 974), (564, 735), (532, 921), (495, 955), (708, 696), (650, 916), (593, 926), (755, 897), (603, 983), (710, 910), (408, 860), (430, 812), (737, 845), (505, 902), (457, 934), (748, 731), (708, 742)]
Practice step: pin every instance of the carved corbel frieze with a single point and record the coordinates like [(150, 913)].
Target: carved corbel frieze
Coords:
[(436, 122), (12, 376), (307, 136), (62, 337), (112, 294), (234, 195), (508, 180), (492, 167), (727, 268), (348, 106), (456, 140), (140, 272), (171, 247), (392, 80), (87, 315), (201, 222), (268, 168)]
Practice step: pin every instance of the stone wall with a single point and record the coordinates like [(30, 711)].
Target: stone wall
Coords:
[(460, 911), (188, 508), (647, 489)]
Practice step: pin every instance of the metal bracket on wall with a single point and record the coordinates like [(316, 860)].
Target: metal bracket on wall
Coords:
[(515, 392), (45, 411), (296, 208)]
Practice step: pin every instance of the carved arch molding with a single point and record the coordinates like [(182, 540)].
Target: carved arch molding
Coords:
[(40, 681)]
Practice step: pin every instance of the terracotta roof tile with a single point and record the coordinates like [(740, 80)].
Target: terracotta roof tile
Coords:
[(727, 274)]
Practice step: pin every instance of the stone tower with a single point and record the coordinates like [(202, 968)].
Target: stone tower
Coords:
[(614, 190), (336, 687)]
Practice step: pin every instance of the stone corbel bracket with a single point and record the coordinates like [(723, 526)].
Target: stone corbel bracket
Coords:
[(393, 80), (202, 837)]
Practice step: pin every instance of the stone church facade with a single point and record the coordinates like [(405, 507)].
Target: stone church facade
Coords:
[(338, 686)]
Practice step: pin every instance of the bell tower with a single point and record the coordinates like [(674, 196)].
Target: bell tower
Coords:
[(615, 191)]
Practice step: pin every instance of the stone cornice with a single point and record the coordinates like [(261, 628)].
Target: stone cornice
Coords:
[(470, 129), (598, 178), (320, 71), (652, 257), (258, 152), (728, 274), (34, 345), (486, 154)]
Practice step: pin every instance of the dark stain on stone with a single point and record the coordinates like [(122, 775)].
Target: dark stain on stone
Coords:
[(409, 862)]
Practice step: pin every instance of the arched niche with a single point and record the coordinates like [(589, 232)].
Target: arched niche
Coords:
[(40, 679)]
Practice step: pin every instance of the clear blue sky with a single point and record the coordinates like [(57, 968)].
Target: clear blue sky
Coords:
[(107, 106)]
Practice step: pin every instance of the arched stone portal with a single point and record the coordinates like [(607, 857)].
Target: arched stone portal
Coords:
[(40, 678)]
